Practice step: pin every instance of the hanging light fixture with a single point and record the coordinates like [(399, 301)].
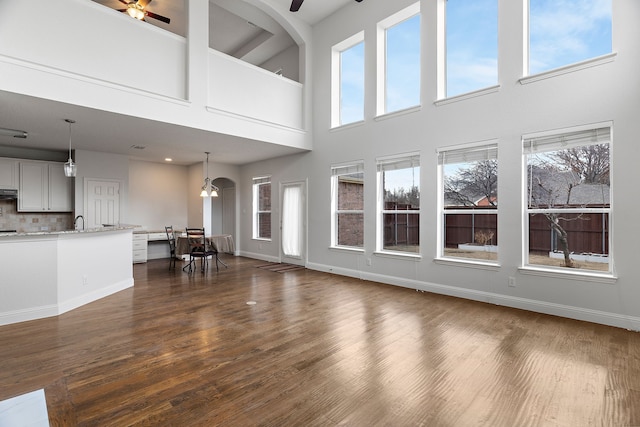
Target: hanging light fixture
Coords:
[(70, 167), (208, 189)]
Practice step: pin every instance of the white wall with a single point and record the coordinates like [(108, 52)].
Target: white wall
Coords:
[(607, 92), (158, 195), (287, 61)]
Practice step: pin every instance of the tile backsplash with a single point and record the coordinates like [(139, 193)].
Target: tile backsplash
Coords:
[(27, 222)]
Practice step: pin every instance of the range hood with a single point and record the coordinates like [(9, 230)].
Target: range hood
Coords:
[(8, 194)]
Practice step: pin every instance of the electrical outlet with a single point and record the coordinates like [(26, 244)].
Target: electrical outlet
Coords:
[(0, 211), (44, 228), (369, 262), (85, 280), (512, 282)]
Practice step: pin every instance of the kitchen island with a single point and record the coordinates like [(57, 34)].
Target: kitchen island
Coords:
[(49, 273)]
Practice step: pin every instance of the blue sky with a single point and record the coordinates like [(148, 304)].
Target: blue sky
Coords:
[(566, 31)]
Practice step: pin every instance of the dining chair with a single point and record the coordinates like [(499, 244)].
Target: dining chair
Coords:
[(198, 248), (171, 238)]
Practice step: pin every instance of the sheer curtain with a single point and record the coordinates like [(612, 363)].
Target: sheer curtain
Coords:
[(291, 198)]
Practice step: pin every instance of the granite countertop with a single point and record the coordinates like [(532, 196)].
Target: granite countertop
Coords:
[(116, 227)]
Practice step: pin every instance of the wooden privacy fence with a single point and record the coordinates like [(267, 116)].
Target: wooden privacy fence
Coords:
[(587, 233)]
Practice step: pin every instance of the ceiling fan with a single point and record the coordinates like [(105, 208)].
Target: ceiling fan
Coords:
[(135, 9), (295, 5)]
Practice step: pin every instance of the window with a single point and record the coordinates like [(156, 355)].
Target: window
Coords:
[(568, 199), (347, 81), (566, 32), (399, 204), (399, 61), (347, 205), (262, 208), (469, 202), (471, 45)]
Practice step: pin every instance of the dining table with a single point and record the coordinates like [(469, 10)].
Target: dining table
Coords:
[(222, 243)]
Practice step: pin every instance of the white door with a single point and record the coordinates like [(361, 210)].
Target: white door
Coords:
[(293, 223), (102, 200)]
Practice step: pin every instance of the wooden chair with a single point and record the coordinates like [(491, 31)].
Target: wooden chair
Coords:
[(171, 238), (198, 248)]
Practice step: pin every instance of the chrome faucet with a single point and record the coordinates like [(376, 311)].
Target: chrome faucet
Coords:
[(76, 220)]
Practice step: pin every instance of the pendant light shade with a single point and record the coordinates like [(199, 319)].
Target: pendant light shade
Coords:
[(70, 168), (208, 189)]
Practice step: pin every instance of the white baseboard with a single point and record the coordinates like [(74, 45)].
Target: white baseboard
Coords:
[(81, 300), (33, 313), (571, 312), (261, 257)]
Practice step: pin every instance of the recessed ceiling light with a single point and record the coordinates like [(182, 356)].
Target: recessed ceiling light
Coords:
[(168, 159)]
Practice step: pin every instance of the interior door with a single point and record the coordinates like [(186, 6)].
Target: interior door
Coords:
[(102, 200), (293, 223)]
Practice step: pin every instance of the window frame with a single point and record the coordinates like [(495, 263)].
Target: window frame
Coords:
[(257, 182), (564, 68), (528, 142), (475, 151), (336, 172), (336, 78), (381, 58), (382, 164)]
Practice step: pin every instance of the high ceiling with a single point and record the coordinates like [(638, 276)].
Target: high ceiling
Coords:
[(108, 132)]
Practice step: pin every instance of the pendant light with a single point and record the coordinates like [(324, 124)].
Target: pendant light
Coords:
[(70, 167), (208, 189)]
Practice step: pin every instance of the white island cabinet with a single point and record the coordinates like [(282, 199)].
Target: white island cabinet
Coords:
[(44, 187), (50, 273)]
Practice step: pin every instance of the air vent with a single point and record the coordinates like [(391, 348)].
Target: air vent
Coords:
[(138, 147)]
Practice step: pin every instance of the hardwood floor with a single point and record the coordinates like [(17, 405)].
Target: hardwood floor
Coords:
[(315, 350)]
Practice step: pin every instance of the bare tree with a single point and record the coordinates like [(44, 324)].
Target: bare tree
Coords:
[(470, 185)]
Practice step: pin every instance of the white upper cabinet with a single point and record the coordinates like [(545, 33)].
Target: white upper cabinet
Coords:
[(44, 187), (9, 173)]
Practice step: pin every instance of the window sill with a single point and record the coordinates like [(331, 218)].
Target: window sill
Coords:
[(456, 262), (468, 95), (259, 239), (407, 256), (580, 275), (589, 63), (393, 114), (346, 249), (347, 126)]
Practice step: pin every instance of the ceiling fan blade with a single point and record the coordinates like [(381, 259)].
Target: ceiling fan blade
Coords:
[(158, 17), (295, 5), (143, 3), (121, 10)]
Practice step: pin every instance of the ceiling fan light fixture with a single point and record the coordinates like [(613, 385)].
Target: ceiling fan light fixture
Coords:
[(135, 11)]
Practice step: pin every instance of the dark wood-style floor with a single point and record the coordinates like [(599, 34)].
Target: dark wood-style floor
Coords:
[(315, 350)]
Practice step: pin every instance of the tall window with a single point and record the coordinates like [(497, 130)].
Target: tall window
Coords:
[(347, 205), (262, 208), (399, 61), (568, 199), (347, 81), (566, 32), (399, 204), (471, 45), (469, 204)]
